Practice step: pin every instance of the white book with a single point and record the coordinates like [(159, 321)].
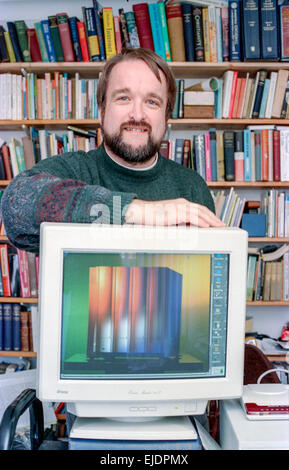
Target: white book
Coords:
[(271, 93), (14, 163), (199, 98), (227, 88), (43, 143), (284, 154), (281, 206)]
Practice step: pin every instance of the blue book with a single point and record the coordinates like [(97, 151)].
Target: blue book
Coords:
[(188, 31), (213, 151), (264, 98), (164, 28), (1, 328), (269, 29), (259, 93), (258, 155), (14, 39), (247, 155), (41, 42), (235, 33), (99, 34), (90, 26), (155, 22), (75, 38), (48, 40), (219, 35), (7, 326), (179, 151), (251, 30), (16, 337)]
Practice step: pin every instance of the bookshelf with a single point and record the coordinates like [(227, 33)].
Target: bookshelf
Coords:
[(186, 70)]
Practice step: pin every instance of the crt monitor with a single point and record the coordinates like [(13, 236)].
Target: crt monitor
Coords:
[(141, 321)]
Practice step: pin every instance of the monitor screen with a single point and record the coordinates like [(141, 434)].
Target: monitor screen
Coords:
[(143, 315)]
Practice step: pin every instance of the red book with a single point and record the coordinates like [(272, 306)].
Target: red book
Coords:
[(142, 19), (233, 94), (237, 97), (83, 41), (117, 34), (33, 45), (165, 148), (276, 155), (65, 36), (23, 273), (5, 272), (6, 161), (241, 98)]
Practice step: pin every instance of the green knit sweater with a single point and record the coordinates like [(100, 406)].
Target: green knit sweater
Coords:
[(73, 187)]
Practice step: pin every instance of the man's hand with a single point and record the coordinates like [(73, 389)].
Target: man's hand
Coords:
[(171, 212)]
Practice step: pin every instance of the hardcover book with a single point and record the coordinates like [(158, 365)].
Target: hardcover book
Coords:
[(54, 31), (235, 33), (21, 27), (250, 21), (14, 39), (188, 31), (109, 38), (284, 32), (198, 34), (142, 19), (269, 29), (176, 32), (65, 36)]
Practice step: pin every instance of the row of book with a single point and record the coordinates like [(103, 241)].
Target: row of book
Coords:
[(17, 156), (177, 31), (258, 153), (15, 328), (19, 272), (55, 96), (229, 207), (268, 274)]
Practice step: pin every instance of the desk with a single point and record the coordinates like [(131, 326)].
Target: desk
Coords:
[(239, 433)]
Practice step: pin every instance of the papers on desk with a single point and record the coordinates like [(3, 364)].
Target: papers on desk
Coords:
[(11, 385), (271, 347)]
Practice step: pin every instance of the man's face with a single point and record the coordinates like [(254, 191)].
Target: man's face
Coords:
[(134, 120)]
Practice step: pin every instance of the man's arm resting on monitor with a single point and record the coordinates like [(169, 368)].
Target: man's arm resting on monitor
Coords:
[(171, 212)]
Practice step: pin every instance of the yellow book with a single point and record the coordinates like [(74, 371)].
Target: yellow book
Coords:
[(212, 33), (220, 156), (9, 46), (206, 34), (108, 28)]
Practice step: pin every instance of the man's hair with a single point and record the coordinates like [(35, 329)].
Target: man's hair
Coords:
[(154, 62)]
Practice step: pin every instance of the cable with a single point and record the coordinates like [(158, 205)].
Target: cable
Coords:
[(271, 370)]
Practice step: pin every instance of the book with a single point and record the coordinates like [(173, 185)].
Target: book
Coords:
[(24, 331), (213, 153), (271, 94), (99, 28), (285, 102), (225, 33), (33, 45), (23, 273), (259, 93), (208, 157), (206, 34), (48, 40), (235, 33), (269, 29), (284, 32), (91, 33), (16, 335), (9, 47), (1, 328), (264, 98), (229, 155), (247, 155), (276, 155), (14, 39), (179, 151), (165, 33), (41, 42), (7, 327), (117, 33), (83, 41), (55, 36), (251, 27), (143, 24), (212, 33), (282, 78), (155, 22), (109, 38), (132, 29), (198, 34), (239, 156), (21, 27), (6, 161), (5, 272), (176, 32), (75, 38), (65, 36), (188, 31), (124, 29)]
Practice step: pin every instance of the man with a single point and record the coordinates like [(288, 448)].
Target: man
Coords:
[(125, 180)]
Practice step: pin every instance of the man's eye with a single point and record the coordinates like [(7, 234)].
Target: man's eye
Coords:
[(152, 102), (123, 98)]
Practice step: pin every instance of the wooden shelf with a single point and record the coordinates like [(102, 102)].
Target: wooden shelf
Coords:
[(180, 69), (18, 353), (268, 239), (271, 303), (248, 184), (18, 300)]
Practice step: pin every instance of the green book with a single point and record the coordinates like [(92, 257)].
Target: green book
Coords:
[(164, 29), (132, 29), (54, 31), (41, 42), (21, 27), (20, 158)]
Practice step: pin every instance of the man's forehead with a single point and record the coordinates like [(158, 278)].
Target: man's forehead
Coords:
[(124, 69)]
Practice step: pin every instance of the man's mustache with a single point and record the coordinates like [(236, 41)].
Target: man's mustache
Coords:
[(133, 123)]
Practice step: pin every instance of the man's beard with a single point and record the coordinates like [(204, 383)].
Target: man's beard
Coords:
[(130, 154)]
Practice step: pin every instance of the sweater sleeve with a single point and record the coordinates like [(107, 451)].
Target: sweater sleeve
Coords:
[(36, 196)]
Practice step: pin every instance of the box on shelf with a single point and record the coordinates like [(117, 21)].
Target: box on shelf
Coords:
[(254, 224)]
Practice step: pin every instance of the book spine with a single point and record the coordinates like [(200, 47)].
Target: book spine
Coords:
[(284, 32), (75, 38), (258, 155), (198, 34), (100, 36), (9, 47), (219, 35), (142, 19), (157, 36), (251, 28), (285, 102), (132, 29), (23, 273), (48, 40), (179, 150), (54, 31), (7, 327), (165, 33), (247, 155), (1, 328), (206, 34), (92, 39), (6, 161), (14, 39), (199, 145), (16, 335), (23, 40), (83, 41), (213, 34), (235, 30), (239, 156), (264, 98), (65, 36), (176, 32), (208, 157), (269, 29), (213, 152), (41, 42), (118, 41), (24, 331), (109, 37), (123, 29), (33, 45), (265, 154), (259, 93), (276, 155), (284, 156), (225, 33), (188, 32), (229, 155), (5, 270)]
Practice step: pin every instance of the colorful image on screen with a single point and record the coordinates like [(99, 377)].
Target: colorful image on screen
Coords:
[(139, 315)]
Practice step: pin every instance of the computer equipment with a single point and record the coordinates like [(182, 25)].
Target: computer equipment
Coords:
[(266, 401), (141, 322)]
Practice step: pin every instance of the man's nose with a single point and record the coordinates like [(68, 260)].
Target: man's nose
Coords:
[(137, 111)]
